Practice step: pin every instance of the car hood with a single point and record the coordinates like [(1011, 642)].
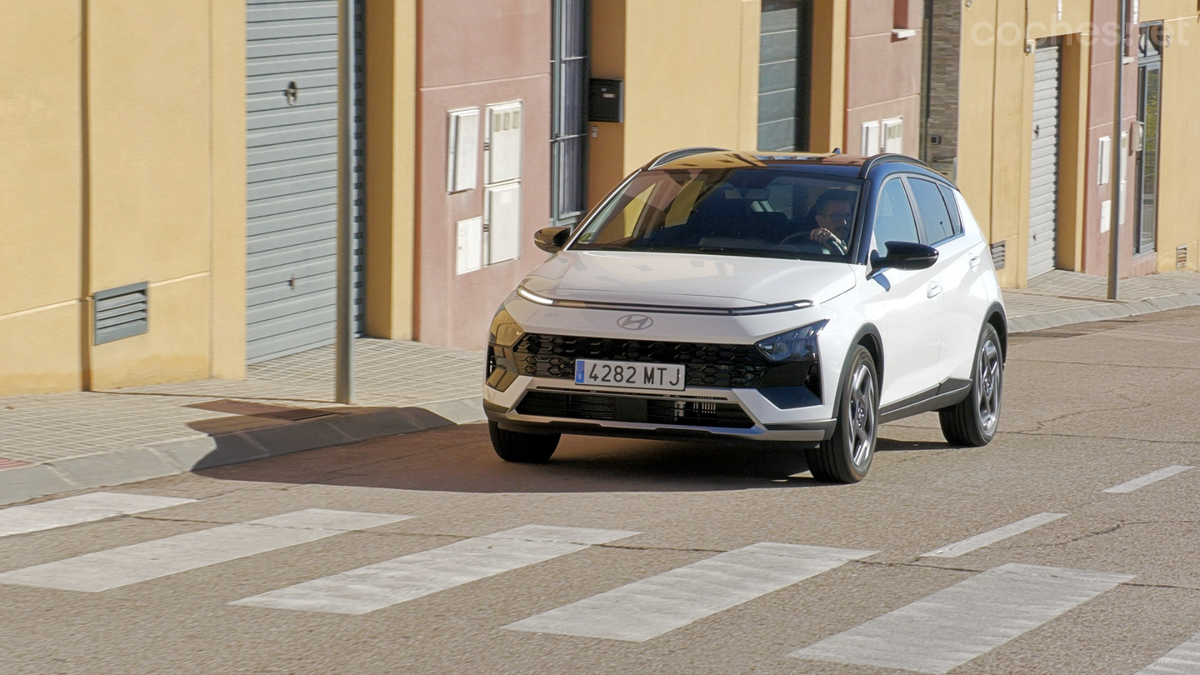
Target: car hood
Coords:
[(681, 280)]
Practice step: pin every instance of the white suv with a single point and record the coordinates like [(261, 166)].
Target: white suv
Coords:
[(755, 297)]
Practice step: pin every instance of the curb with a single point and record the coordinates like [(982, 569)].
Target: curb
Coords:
[(1103, 311), (168, 458)]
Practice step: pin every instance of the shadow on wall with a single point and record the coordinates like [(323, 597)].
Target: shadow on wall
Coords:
[(460, 459)]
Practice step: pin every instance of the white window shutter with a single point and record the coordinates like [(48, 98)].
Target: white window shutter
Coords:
[(870, 139), (462, 162), (893, 135), (505, 124), (470, 246), (503, 213)]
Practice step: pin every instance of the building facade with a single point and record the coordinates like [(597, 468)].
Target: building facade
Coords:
[(168, 194)]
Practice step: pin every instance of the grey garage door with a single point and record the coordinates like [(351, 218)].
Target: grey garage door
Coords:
[(1043, 174), (783, 76), (292, 124)]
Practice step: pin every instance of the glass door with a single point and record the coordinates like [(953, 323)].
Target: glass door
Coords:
[(1149, 97), (569, 72)]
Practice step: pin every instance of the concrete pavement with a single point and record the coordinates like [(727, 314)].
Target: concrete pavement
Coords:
[(53, 443), (472, 565)]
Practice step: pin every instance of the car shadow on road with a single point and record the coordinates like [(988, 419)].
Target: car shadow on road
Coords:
[(460, 459)]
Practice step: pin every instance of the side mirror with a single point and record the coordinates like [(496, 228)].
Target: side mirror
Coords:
[(552, 239), (906, 255)]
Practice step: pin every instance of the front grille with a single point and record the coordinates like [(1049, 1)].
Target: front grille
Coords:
[(633, 409), (707, 365)]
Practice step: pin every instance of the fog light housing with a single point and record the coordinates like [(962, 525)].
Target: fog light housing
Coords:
[(793, 346), (793, 380)]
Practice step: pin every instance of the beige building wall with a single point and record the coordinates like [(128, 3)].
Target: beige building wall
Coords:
[(693, 85), (41, 196), (127, 128), (995, 122), (391, 103), (1179, 153)]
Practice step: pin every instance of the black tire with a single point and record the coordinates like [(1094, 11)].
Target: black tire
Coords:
[(973, 422), (846, 456), (514, 446)]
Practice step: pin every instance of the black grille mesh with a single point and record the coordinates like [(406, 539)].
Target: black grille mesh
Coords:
[(707, 365), (632, 409)]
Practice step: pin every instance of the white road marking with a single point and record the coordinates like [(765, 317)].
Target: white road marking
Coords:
[(409, 577), (79, 509), (987, 538), (105, 570), (959, 623), (646, 609), (1183, 660), (1143, 481)]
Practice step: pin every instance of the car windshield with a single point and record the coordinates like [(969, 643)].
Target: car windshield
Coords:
[(740, 212)]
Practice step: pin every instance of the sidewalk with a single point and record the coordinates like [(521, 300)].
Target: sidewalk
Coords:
[(57, 442)]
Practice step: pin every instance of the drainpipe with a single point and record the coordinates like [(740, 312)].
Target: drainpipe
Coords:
[(1114, 241), (345, 206)]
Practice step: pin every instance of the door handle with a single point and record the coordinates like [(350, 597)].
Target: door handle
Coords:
[(935, 289), (974, 260)]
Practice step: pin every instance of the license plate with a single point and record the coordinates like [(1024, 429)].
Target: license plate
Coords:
[(629, 375)]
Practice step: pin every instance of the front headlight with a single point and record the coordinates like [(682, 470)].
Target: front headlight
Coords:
[(795, 345), (505, 331)]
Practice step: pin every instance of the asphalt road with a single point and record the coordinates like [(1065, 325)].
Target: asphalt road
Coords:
[(1105, 582)]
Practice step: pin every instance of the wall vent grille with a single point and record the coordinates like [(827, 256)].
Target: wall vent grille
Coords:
[(1181, 257), (998, 255), (120, 313)]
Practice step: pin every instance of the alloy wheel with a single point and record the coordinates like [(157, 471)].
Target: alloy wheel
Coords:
[(862, 415), (988, 381)]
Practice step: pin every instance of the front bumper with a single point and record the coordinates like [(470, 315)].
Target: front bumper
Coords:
[(552, 405)]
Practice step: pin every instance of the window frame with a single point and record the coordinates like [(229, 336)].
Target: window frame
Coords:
[(955, 221)]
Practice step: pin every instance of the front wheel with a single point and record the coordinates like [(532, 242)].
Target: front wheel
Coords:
[(846, 457), (514, 446), (973, 421)]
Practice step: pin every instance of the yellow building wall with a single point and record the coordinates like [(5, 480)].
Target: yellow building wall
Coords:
[(1179, 163), (827, 105), (391, 49), (123, 124), (996, 118), (41, 195), (695, 84)]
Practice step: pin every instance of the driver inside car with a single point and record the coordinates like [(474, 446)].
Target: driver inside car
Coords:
[(832, 215)]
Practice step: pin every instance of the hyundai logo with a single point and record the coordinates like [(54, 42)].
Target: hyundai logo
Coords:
[(635, 322)]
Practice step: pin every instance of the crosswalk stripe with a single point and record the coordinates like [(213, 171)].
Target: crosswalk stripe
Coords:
[(648, 608), (987, 538), (1183, 660), (409, 577), (959, 623), (105, 570), (1143, 481), (79, 509)]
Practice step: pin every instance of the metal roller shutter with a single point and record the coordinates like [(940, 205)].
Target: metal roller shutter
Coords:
[(1043, 174), (292, 124), (783, 76)]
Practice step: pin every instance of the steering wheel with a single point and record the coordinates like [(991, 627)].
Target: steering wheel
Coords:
[(831, 245)]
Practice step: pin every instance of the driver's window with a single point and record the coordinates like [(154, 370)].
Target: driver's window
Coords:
[(894, 219)]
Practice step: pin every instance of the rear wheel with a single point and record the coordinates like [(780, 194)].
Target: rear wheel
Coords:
[(973, 421), (846, 457), (514, 446)]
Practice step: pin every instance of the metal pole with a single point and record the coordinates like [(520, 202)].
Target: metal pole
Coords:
[(345, 204), (1118, 157)]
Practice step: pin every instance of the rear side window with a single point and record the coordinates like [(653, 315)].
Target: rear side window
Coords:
[(952, 206), (935, 217), (894, 219)]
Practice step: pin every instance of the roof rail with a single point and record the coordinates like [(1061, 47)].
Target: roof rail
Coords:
[(668, 157), (888, 157)]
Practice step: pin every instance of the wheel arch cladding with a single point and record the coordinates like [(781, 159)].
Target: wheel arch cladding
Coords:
[(996, 318), (867, 337)]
